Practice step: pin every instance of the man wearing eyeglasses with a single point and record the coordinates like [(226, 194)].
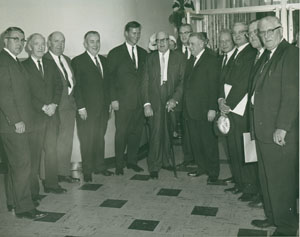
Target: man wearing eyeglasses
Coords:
[(276, 128), (16, 123), (233, 101), (161, 92)]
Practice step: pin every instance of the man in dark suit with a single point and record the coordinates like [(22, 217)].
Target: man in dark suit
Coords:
[(276, 128), (92, 100), (233, 102), (16, 122), (161, 91), (46, 89), (67, 106), (125, 67), (200, 105), (188, 159)]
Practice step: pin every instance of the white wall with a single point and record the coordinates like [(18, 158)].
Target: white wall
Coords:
[(75, 17)]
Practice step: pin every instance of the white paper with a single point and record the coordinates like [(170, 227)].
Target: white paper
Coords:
[(241, 106), (249, 148)]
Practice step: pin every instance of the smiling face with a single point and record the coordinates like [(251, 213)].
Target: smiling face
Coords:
[(162, 40), (239, 33), (37, 46), (14, 42), (184, 33), (92, 43), (56, 43), (196, 45), (133, 35)]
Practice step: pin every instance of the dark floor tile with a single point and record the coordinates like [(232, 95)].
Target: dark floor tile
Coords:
[(113, 203), (205, 211), (140, 177), (90, 187), (249, 232), (169, 192), (51, 217), (143, 225)]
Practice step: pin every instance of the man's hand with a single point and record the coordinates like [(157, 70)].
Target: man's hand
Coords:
[(279, 136), (115, 105), (83, 113), (211, 115), (20, 127), (50, 110), (148, 110), (225, 109), (171, 104)]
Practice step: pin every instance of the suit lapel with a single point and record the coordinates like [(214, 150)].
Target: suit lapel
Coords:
[(35, 69)]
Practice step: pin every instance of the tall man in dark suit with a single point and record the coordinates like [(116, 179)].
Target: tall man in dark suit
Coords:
[(233, 102), (125, 67), (67, 106), (46, 89), (184, 32), (92, 100), (200, 105), (276, 127), (16, 122), (161, 91)]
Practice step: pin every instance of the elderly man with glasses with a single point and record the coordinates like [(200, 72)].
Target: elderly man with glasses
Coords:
[(276, 128), (161, 92)]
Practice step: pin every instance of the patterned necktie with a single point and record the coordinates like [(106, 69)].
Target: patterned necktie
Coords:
[(40, 68), (98, 66), (65, 72), (133, 57)]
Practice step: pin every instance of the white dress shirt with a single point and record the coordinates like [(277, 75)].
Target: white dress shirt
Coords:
[(240, 49), (198, 56), (129, 48), (165, 56), (188, 51)]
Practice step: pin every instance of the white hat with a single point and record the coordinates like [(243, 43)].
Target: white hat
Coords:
[(152, 42)]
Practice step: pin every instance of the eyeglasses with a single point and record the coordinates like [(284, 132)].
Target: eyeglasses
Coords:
[(269, 32), (17, 39), (184, 33), (240, 33), (159, 41), (252, 33)]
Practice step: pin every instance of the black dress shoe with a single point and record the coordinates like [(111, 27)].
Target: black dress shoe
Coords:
[(246, 197), (154, 175), (215, 181), (57, 190), (256, 202), (169, 168), (195, 173), (119, 171), (11, 208), (67, 179), (33, 214), (278, 233), (262, 223), (228, 180), (136, 168), (87, 178), (233, 190), (106, 173)]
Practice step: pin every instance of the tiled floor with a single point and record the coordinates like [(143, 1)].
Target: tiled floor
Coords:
[(134, 205)]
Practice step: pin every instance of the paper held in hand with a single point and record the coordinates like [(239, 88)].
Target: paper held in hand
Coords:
[(249, 148)]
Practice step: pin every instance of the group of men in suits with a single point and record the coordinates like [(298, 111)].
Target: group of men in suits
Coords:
[(265, 73)]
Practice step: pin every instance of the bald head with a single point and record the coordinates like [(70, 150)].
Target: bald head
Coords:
[(36, 45), (270, 31), (56, 43), (162, 40)]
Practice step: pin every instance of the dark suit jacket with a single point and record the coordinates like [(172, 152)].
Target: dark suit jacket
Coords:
[(67, 101), (15, 96), (126, 81), (44, 90), (151, 78), (201, 85), (276, 103), (91, 90), (238, 76)]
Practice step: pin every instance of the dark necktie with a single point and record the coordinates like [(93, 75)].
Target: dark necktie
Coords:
[(65, 72), (256, 57), (133, 57), (224, 60), (98, 66), (40, 68), (186, 52), (266, 59)]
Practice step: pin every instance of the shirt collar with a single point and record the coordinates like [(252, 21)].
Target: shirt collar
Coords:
[(166, 54), (129, 46), (54, 55), (35, 60), (199, 54), (229, 54), (92, 56), (240, 48), (14, 56)]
